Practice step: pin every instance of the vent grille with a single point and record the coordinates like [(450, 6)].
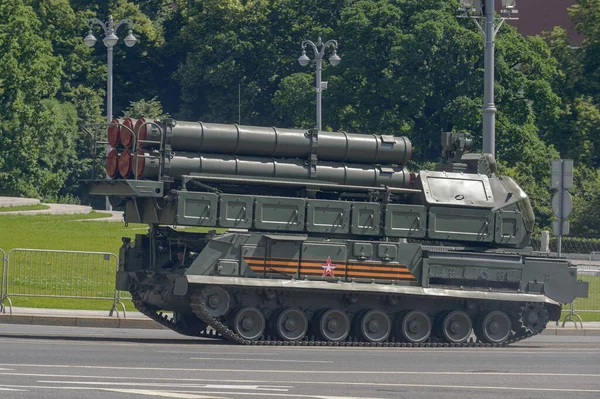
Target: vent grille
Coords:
[(459, 282)]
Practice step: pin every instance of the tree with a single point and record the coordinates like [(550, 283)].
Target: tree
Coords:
[(251, 46), (586, 17), (576, 132), (145, 109), (294, 101), (585, 219), (35, 130), (413, 68)]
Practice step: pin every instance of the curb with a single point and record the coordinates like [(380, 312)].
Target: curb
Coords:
[(9, 202), (587, 332), (149, 324), (81, 321), (55, 209)]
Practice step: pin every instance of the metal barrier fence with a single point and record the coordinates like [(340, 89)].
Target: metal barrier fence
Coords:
[(60, 274), (123, 295), (3, 262)]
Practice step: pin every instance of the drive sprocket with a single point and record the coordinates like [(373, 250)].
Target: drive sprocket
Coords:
[(533, 318)]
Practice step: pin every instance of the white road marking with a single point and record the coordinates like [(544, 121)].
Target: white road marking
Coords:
[(163, 369), (440, 386), (499, 388), (220, 353), (188, 395), (130, 381), (291, 395), (12, 389), (262, 360), (163, 394), (458, 387), (221, 386), (16, 387), (211, 386), (192, 380)]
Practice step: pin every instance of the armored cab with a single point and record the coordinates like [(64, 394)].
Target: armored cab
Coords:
[(267, 235)]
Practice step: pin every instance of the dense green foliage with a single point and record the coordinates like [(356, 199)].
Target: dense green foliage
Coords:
[(409, 67)]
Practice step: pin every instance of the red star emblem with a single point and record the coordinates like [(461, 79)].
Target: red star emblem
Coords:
[(328, 268)]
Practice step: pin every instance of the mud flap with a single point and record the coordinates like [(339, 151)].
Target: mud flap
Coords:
[(180, 287), (122, 281)]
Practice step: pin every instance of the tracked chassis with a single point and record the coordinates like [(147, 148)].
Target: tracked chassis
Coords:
[(529, 320), (419, 307)]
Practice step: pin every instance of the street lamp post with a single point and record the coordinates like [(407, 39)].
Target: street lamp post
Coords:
[(110, 39), (482, 14), (319, 50)]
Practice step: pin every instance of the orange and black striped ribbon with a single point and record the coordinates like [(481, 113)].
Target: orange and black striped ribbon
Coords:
[(366, 270)]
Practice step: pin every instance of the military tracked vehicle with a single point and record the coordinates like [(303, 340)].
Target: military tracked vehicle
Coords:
[(325, 238)]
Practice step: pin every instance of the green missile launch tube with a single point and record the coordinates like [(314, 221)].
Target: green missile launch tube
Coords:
[(275, 142), (186, 163)]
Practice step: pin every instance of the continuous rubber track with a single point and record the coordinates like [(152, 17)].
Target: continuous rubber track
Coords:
[(217, 329)]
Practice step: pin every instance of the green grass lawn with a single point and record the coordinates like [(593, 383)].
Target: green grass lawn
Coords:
[(66, 233), (38, 207)]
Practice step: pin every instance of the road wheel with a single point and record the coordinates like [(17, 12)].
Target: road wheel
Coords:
[(291, 324), (334, 325), (494, 327), (375, 326), (455, 327), (249, 323), (415, 326)]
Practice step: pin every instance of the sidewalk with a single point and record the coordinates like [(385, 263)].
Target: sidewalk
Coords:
[(115, 216), (133, 319), (55, 209)]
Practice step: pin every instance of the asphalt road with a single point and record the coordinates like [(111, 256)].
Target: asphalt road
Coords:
[(66, 362)]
